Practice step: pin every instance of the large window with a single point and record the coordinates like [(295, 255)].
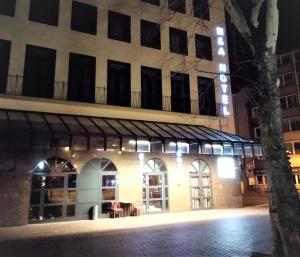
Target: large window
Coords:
[(155, 2), (84, 18), (203, 47), (39, 72), (150, 34), (287, 80), (4, 63), (206, 95), (82, 69), (151, 88), (53, 190), (119, 26), (201, 9), (177, 5), (180, 92), (118, 83), (7, 7), (178, 41), (45, 11)]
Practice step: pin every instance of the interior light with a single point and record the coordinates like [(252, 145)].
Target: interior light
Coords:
[(41, 165), (132, 142), (172, 144), (67, 148), (226, 167)]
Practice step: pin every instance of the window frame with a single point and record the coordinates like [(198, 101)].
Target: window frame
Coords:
[(123, 18)]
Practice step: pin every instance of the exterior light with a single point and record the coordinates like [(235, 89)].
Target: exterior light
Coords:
[(226, 167), (67, 148), (41, 165)]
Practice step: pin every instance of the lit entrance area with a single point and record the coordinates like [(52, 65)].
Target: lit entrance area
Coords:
[(155, 186), (201, 196), (53, 190), (97, 185)]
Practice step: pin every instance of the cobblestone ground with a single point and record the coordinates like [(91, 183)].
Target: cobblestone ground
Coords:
[(225, 236)]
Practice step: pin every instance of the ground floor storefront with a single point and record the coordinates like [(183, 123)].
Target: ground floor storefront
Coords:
[(59, 167)]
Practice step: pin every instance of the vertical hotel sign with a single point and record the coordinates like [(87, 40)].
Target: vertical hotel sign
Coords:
[(223, 69)]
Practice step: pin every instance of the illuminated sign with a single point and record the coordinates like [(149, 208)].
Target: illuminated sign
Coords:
[(223, 69)]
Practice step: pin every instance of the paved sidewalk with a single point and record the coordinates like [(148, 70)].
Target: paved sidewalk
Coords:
[(209, 233)]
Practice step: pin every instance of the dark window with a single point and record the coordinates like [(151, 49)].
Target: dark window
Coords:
[(118, 83), (7, 7), (297, 147), (180, 92), (4, 63), (155, 2), (177, 5), (151, 88), (119, 26), (178, 41), (45, 11), (39, 71), (206, 95), (201, 9), (84, 18), (203, 47), (150, 34), (82, 69)]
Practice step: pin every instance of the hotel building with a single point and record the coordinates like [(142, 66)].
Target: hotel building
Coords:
[(126, 101)]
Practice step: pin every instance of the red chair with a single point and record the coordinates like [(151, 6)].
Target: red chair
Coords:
[(116, 210)]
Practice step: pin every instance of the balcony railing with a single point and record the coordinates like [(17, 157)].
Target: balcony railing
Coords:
[(60, 92)]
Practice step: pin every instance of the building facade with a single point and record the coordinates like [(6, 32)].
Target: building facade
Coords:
[(125, 101), (248, 125)]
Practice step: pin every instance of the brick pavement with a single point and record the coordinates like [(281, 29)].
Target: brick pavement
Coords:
[(212, 233)]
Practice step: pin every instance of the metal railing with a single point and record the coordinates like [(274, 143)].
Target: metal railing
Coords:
[(133, 99)]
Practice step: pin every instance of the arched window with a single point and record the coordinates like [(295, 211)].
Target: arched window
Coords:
[(200, 181), (97, 184), (155, 186), (53, 190)]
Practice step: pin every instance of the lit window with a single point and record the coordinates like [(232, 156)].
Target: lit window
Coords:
[(217, 149), (226, 167), (206, 148), (183, 147)]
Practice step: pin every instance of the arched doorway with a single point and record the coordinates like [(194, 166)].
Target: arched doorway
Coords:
[(155, 186), (97, 185), (53, 190), (200, 181)]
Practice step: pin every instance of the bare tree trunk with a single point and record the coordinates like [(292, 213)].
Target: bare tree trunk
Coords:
[(283, 197)]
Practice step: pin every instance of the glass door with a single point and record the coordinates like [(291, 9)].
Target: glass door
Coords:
[(155, 193)]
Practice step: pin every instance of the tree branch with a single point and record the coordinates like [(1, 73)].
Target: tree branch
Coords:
[(272, 25), (240, 22), (255, 12)]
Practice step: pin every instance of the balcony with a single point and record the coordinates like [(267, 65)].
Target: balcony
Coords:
[(133, 100)]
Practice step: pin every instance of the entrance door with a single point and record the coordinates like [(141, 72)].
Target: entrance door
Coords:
[(200, 185), (155, 187), (53, 190)]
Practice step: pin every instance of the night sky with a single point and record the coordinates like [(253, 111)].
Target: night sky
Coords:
[(289, 25)]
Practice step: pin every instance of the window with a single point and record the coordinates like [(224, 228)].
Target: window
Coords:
[(150, 34), (84, 18), (206, 96), (287, 80), (7, 7), (45, 11), (177, 5), (4, 63), (180, 92), (255, 112), (285, 59), (151, 88), (119, 26), (39, 71), (118, 83), (203, 47), (297, 147), (201, 9), (155, 2), (178, 41), (257, 132), (288, 101), (289, 148), (286, 125), (82, 69), (295, 124)]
